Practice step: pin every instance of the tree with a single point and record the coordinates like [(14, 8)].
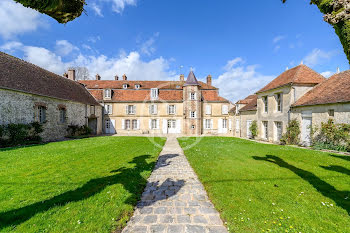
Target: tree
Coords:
[(337, 14), (61, 10), (253, 129)]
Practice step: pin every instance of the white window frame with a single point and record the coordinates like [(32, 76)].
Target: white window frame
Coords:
[(193, 96), (266, 129), (127, 124), (154, 93), (224, 123), (224, 109), (207, 123), (193, 114), (108, 109), (125, 86), (130, 109), (108, 93), (171, 109), (153, 109), (237, 125), (266, 103), (279, 103), (208, 109), (134, 124), (154, 124)]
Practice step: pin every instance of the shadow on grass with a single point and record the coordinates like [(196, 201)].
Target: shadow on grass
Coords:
[(336, 168), (345, 157), (327, 190), (22, 146), (130, 178)]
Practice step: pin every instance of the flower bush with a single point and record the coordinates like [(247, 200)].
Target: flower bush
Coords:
[(292, 135)]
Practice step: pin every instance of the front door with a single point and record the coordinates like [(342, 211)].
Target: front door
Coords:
[(171, 126), (92, 122), (110, 126), (306, 131)]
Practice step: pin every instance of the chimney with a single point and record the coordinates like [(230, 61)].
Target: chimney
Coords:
[(124, 77), (338, 70), (98, 77), (65, 75), (209, 79), (116, 77), (71, 74), (287, 68), (182, 77)]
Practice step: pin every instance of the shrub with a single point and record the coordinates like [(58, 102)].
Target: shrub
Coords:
[(76, 131), (253, 129), (20, 134), (332, 136), (291, 137)]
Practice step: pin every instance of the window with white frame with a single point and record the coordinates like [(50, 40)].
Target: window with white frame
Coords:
[(134, 124), (193, 96), (224, 123), (208, 109), (127, 124), (207, 124), (193, 114), (108, 93), (108, 109), (62, 115), (153, 109), (224, 109), (137, 86), (279, 102), (171, 109), (266, 103), (130, 109), (154, 93), (154, 124), (266, 129), (125, 86)]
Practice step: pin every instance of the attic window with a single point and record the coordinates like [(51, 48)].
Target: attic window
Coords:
[(125, 86), (108, 93), (137, 86)]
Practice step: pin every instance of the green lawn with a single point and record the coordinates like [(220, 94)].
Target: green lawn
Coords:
[(259, 187), (87, 185)]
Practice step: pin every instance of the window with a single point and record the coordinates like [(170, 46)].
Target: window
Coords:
[(193, 96), (192, 114), (134, 124), (224, 123), (208, 109), (108, 93), (278, 130), (154, 124), (237, 126), (207, 124), (279, 102), (171, 124), (224, 109), (153, 109), (125, 86), (62, 115), (266, 104), (108, 109), (130, 109), (92, 109), (266, 129), (127, 124), (154, 93), (137, 86), (42, 114), (331, 112), (171, 109), (193, 126)]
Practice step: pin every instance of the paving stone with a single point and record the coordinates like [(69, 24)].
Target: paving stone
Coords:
[(174, 200)]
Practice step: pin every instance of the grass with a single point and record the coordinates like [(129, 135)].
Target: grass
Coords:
[(87, 185), (270, 188)]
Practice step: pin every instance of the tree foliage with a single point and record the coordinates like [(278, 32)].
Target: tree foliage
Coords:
[(291, 137), (254, 129), (61, 10), (337, 14)]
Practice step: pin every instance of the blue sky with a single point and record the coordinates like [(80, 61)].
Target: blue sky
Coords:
[(242, 44)]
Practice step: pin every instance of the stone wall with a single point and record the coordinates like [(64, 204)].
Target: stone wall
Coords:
[(18, 107)]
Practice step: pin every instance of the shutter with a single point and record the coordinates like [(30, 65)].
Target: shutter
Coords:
[(157, 121), (204, 126), (230, 124), (138, 124), (195, 96), (155, 109), (211, 124), (178, 126), (165, 126), (123, 124), (150, 123), (111, 109), (219, 125), (105, 109), (167, 109), (126, 109), (150, 109), (134, 109), (174, 109)]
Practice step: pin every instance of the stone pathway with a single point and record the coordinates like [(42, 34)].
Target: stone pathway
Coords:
[(174, 200)]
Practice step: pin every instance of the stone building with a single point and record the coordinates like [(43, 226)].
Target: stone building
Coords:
[(29, 93), (328, 100), (181, 107), (244, 115)]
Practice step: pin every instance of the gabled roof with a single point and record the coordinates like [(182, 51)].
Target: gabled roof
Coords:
[(19, 75), (246, 100), (336, 89), (118, 84), (191, 80), (298, 75), (251, 103), (213, 96)]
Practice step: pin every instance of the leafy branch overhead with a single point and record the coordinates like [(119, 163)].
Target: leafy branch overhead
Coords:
[(337, 14), (61, 10)]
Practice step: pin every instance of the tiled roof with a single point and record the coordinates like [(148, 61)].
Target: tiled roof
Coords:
[(213, 96), (113, 84), (251, 104), (246, 100), (336, 89), (298, 75), (191, 80), (19, 75)]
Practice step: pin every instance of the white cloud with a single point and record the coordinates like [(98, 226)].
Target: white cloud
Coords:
[(15, 19), (96, 8), (64, 48), (119, 5), (327, 74), (93, 39), (239, 81), (277, 47), (318, 56), (147, 47), (278, 38), (11, 46)]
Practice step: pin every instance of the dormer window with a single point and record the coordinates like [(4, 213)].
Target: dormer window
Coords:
[(108, 93), (125, 86), (137, 86), (154, 93)]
